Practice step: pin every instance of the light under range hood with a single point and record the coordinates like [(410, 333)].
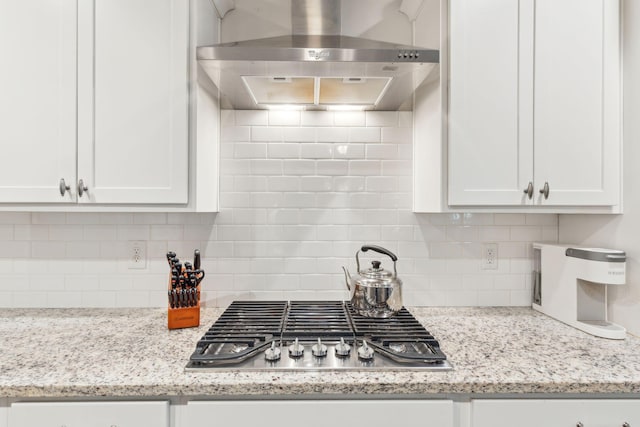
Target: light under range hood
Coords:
[(316, 67)]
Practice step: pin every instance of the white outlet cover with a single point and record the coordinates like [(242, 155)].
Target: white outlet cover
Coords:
[(137, 254), (490, 256)]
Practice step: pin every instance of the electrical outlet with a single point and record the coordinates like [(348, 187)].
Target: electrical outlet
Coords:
[(137, 254), (490, 256)]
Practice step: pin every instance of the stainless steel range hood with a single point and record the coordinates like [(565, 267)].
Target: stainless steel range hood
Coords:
[(316, 67)]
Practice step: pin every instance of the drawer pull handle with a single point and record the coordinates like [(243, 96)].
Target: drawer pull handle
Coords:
[(82, 188), (545, 190), (529, 190), (64, 187)]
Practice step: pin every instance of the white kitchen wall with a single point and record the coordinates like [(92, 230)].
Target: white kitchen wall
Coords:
[(621, 231), (300, 192)]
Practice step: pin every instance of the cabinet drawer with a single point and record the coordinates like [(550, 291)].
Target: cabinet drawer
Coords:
[(320, 413), (89, 414), (555, 413)]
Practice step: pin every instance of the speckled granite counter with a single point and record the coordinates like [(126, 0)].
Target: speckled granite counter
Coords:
[(129, 352)]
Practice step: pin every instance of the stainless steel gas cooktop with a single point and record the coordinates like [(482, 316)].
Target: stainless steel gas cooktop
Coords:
[(314, 335)]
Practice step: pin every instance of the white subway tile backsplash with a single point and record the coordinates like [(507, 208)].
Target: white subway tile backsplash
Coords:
[(349, 151), (266, 167), (66, 232), (48, 218), (365, 167), (462, 233), (133, 232), (253, 150), (381, 118), (363, 134), (283, 183), (316, 118), (236, 133), (12, 218), (509, 219), (39, 250), (299, 167), (396, 135), (295, 134), (267, 134), (405, 119), (82, 250), (283, 216), (30, 232), (149, 218), (286, 150), (6, 232), (332, 167), (316, 151), (300, 193), (284, 118), (349, 183), (528, 234), (316, 183), (251, 118), (299, 199), (381, 151), (349, 118), (267, 200), (333, 134)]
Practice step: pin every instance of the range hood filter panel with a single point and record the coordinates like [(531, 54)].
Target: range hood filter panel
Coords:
[(352, 91), (281, 90)]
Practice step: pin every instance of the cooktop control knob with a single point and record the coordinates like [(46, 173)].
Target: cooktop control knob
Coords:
[(319, 350), (273, 353), (365, 352), (343, 349), (296, 349)]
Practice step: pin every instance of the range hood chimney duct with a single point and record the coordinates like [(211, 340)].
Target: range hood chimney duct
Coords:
[(316, 17)]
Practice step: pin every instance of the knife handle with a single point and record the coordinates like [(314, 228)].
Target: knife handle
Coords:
[(196, 259)]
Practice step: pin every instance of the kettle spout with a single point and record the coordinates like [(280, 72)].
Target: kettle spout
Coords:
[(347, 278)]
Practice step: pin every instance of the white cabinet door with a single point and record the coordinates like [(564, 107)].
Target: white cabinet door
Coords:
[(320, 413), (577, 101), (554, 413), (37, 100), (85, 414), (490, 140), (534, 98), (133, 101)]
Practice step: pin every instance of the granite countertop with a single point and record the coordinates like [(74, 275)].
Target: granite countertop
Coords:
[(129, 352)]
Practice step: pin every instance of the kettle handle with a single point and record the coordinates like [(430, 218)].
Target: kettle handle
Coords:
[(380, 250)]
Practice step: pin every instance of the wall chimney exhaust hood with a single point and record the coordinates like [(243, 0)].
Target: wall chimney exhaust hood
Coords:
[(316, 67)]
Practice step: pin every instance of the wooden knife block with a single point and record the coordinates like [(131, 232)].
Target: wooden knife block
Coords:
[(184, 317)]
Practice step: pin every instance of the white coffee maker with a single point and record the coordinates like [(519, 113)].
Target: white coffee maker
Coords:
[(570, 284)]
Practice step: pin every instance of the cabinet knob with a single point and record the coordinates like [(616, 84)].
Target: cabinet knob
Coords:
[(82, 188), (545, 190), (64, 187), (579, 424), (626, 425), (529, 190)]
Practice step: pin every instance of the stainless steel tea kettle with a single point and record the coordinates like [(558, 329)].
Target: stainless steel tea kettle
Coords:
[(375, 292)]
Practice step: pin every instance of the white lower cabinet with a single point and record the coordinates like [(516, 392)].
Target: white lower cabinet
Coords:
[(320, 413), (89, 414), (555, 413)]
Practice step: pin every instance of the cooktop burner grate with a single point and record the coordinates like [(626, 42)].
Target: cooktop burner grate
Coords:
[(248, 331)]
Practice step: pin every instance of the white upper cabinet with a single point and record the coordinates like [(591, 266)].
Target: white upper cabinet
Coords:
[(133, 60), (37, 100), (577, 115), (95, 93), (534, 103)]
